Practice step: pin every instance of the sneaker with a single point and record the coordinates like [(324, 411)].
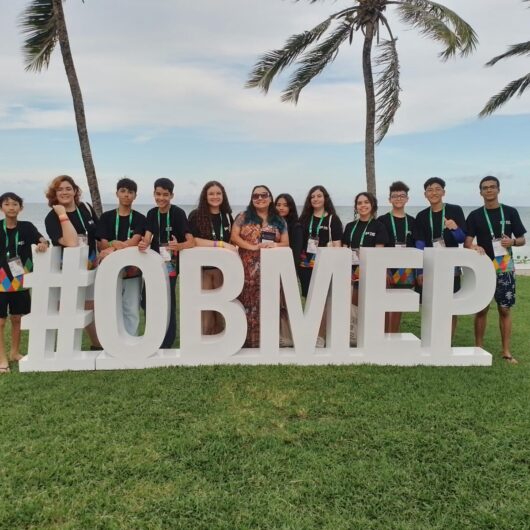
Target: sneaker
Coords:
[(321, 342)]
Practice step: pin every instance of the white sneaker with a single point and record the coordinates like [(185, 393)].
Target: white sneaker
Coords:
[(321, 342)]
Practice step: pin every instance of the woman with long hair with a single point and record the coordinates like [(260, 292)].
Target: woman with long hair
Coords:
[(258, 227), (211, 225), (364, 231), (72, 223)]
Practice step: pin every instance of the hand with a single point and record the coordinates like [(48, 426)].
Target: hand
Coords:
[(173, 244), (268, 244), (419, 280), (143, 245), (105, 253), (506, 241), (450, 224), (42, 246), (118, 245), (59, 209), (479, 249)]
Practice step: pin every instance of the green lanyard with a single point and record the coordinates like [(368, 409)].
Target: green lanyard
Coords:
[(319, 224), (117, 227), (363, 234), (222, 230), (503, 222), (167, 227), (406, 227), (81, 219), (442, 223), (7, 241)]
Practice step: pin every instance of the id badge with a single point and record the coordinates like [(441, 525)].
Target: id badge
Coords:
[(15, 266), (268, 237), (355, 256), (82, 240), (165, 253), (400, 244), (438, 243), (312, 245), (498, 249)]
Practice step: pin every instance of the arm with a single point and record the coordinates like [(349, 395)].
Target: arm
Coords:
[(145, 241), (237, 240), (189, 243), (199, 242), (69, 233)]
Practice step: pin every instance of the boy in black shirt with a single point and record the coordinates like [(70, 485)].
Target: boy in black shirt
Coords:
[(440, 225), (118, 229), (15, 260), (167, 232), (497, 228)]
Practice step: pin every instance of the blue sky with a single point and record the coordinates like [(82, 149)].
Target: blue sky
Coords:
[(164, 96)]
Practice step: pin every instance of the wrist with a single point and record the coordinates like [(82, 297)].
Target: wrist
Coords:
[(63, 218), (514, 242)]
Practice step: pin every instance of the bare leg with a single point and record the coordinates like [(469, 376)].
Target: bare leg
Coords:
[(91, 328), (505, 325), (15, 338), (4, 363), (453, 326), (481, 319), (207, 317)]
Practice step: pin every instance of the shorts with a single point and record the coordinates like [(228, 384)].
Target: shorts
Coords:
[(505, 289), (17, 302)]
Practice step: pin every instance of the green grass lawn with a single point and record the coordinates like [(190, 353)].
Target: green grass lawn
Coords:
[(273, 447)]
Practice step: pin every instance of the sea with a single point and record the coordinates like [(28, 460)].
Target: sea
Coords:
[(36, 212)]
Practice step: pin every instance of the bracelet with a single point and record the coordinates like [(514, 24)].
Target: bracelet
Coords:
[(63, 218), (110, 243), (215, 242), (221, 244)]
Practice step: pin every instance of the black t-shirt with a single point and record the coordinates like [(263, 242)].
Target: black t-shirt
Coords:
[(423, 225), (214, 233), (27, 235), (323, 233), (83, 219), (176, 225), (106, 228), (296, 240), (478, 226), (374, 234), (401, 228)]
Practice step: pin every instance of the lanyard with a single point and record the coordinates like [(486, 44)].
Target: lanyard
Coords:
[(319, 224), (167, 227), (222, 230), (442, 223), (503, 223), (394, 227), (363, 234), (117, 226), (81, 219), (7, 241)]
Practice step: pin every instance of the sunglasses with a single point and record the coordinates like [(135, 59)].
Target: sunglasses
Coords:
[(256, 196)]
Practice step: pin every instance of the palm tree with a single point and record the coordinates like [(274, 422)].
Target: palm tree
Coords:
[(314, 52), (44, 24), (518, 86)]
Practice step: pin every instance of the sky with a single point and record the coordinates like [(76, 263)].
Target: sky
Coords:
[(163, 85)]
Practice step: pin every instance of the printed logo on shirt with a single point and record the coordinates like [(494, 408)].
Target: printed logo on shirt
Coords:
[(370, 234)]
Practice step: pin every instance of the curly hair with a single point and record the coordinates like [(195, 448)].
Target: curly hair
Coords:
[(307, 210), (372, 199), (204, 226), (51, 192)]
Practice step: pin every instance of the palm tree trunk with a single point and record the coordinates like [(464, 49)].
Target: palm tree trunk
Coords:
[(79, 108), (369, 139)]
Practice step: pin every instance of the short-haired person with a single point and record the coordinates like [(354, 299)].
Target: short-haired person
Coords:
[(440, 225), (498, 228), (364, 231), (400, 228), (15, 261), (72, 223), (120, 228), (258, 227), (168, 232), (211, 225)]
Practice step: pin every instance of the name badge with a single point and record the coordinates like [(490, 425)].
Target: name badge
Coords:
[(400, 244), (355, 256), (165, 253), (82, 240), (438, 243), (498, 249), (268, 237), (15, 266), (312, 245)]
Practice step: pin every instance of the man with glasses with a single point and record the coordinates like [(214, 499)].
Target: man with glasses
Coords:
[(497, 228), (440, 225)]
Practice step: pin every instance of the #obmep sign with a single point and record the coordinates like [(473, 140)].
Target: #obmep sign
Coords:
[(60, 283)]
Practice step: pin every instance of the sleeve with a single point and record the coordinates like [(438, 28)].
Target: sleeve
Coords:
[(151, 223), (91, 211), (471, 225), (192, 222), (419, 231), (518, 228), (460, 219), (33, 234), (102, 229), (53, 228), (344, 238), (240, 219), (180, 224), (336, 229), (139, 226), (381, 236)]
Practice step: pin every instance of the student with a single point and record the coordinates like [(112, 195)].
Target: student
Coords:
[(399, 227), (211, 226), (167, 232), (440, 225), (258, 227), (321, 227), (364, 231), (497, 228), (121, 228), (72, 223), (286, 207), (15, 261)]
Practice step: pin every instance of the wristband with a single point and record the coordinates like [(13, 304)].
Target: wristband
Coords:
[(63, 218), (215, 242), (110, 243), (221, 243)]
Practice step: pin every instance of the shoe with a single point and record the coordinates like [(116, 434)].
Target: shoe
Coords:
[(321, 342), (4, 370)]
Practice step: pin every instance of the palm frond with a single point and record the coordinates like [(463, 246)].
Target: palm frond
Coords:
[(387, 87), (441, 24), (522, 48), (273, 62), (38, 23), (315, 60), (516, 87)]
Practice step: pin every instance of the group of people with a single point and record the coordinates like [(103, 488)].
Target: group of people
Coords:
[(492, 229)]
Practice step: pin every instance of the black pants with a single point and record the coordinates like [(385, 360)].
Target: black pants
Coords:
[(305, 279), (171, 332)]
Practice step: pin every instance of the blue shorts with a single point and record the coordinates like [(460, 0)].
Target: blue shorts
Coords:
[(505, 290)]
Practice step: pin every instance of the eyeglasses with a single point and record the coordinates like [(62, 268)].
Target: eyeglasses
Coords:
[(257, 196), (398, 196)]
